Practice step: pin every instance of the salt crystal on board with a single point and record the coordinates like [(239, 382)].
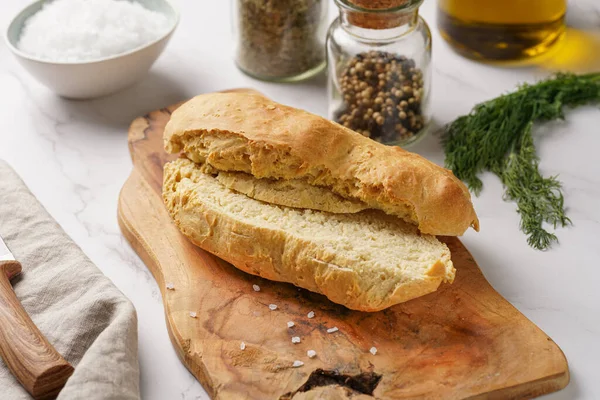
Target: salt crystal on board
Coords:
[(272, 307), (373, 350), (311, 314), (290, 324), (297, 364), (296, 339), (331, 330), (256, 288), (311, 353)]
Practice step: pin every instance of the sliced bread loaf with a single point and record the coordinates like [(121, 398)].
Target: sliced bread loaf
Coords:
[(366, 261), (247, 132)]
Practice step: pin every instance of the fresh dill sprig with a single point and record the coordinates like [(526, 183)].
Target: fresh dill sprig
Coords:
[(497, 136)]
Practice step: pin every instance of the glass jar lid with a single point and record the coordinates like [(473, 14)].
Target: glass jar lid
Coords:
[(379, 14)]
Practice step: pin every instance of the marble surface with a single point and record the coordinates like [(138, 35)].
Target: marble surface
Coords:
[(74, 157)]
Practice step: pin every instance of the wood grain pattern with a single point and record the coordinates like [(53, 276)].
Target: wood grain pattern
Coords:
[(464, 341), (32, 359)]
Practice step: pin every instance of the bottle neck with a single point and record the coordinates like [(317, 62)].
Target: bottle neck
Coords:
[(378, 25)]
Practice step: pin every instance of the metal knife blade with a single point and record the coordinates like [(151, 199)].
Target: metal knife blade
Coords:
[(5, 254)]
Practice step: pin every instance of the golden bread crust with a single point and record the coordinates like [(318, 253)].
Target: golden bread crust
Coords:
[(282, 254), (250, 133)]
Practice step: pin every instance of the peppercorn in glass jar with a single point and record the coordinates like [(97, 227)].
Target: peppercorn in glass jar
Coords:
[(280, 40), (379, 54)]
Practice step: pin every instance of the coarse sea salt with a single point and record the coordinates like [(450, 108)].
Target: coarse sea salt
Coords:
[(75, 30), (297, 364)]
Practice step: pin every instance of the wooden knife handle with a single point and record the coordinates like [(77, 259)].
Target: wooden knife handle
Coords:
[(31, 358)]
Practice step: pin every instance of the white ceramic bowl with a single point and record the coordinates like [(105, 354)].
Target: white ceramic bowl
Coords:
[(89, 79)]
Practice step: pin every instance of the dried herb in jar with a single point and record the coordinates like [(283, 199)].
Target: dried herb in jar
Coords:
[(382, 94), (280, 38)]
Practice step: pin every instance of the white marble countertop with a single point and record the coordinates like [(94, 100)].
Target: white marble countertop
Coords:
[(73, 155)]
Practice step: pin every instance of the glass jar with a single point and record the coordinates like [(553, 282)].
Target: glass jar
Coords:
[(502, 31), (379, 69), (280, 40)]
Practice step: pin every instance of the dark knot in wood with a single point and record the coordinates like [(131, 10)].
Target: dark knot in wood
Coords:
[(364, 383)]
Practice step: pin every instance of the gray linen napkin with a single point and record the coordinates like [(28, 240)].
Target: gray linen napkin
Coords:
[(87, 319)]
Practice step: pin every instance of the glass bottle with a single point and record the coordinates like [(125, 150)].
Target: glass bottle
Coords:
[(502, 31), (379, 55), (280, 40)]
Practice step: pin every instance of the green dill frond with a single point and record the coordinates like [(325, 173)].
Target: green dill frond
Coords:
[(497, 136)]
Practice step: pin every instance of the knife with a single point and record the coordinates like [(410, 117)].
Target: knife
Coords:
[(32, 359)]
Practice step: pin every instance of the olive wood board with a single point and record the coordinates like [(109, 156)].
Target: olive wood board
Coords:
[(463, 341)]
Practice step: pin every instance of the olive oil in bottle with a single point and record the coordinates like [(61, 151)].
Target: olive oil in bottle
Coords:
[(501, 30)]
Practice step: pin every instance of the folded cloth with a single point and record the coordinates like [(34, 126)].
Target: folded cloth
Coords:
[(87, 319)]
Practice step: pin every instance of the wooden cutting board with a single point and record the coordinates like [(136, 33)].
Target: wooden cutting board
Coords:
[(464, 341)]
